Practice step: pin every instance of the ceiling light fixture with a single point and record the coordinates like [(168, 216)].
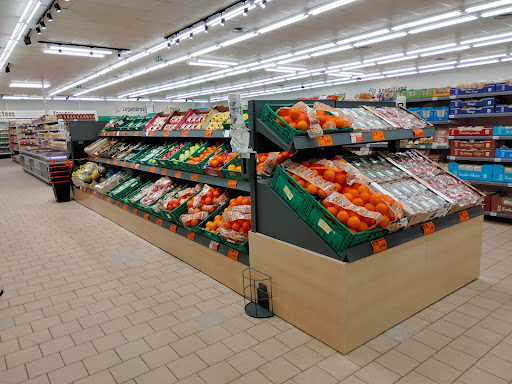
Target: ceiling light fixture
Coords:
[(398, 59), (435, 48), (208, 65), (238, 39), (57, 7), (364, 36), (66, 48), (485, 44), (455, 49), (437, 65), (427, 20), (71, 53), (399, 70), (379, 39), (23, 84), (485, 38), (49, 16), (217, 62), (332, 50), (437, 69), (403, 74), (358, 66), (283, 23), (442, 25), (329, 6), (478, 63), (384, 57), (488, 5), (483, 58)]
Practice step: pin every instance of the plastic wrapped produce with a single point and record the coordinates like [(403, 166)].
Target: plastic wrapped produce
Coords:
[(157, 190), (113, 181), (364, 120), (401, 117)]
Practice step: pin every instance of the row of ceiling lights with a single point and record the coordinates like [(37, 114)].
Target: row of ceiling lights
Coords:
[(40, 24)]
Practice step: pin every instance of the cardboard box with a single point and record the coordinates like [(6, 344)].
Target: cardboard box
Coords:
[(486, 89), (442, 92), (503, 153), (502, 174), (488, 153), (503, 87), (464, 144), (485, 174), (471, 131), (487, 203), (485, 102), (501, 204), (503, 108), (460, 111)]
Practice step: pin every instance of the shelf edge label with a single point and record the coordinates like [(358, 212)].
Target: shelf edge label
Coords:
[(428, 228), (378, 136), (191, 235), (325, 140), (233, 254), (463, 216), (379, 245)]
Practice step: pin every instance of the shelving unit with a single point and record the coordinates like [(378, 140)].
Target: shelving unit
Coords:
[(480, 159), (455, 97), (496, 214), (4, 142)]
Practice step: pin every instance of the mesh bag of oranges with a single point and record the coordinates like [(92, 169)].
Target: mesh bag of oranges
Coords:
[(267, 162), (204, 203), (236, 220), (181, 197)]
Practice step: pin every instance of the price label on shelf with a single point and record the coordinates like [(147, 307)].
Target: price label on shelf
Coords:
[(166, 133), (108, 161), (463, 216), (173, 228), (125, 207), (115, 162), (214, 245), (193, 177), (123, 164), (418, 132), (325, 140), (117, 203), (428, 228), (90, 158), (94, 193), (184, 133), (132, 165), (52, 161), (102, 196), (177, 174), (164, 171), (146, 216), (135, 210), (159, 222), (232, 183), (137, 166), (434, 99), (124, 133), (208, 133), (108, 199), (151, 133), (378, 136), (379, 245), (356, 137), (95, 159), (191, 235), (136, 134), (152, 169), (233, 254)]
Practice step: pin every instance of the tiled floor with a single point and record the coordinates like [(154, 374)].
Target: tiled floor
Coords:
[(88, 302)]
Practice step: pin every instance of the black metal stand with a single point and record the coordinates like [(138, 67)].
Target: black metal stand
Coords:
[(257, 293)]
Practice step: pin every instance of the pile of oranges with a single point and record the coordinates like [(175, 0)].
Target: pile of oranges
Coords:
[(218, 161), (295, 118), (207, 152), (233, 167), (214, 226), (174, 203), (330, 122), (262, 157), (207, 204), (359, 195), (240, 225)]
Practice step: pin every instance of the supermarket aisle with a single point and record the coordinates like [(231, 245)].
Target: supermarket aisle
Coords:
[(88, 302)]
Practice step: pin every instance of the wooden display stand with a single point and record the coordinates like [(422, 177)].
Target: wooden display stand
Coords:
[(346, 304), (219, 267)]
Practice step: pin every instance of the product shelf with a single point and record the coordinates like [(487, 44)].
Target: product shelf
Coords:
[(200, 133), (456, 97), (193, 236), (481, 159), (240, 185), (383, 146), (496, 214), (475, 115), (491, 183), (480, 137)]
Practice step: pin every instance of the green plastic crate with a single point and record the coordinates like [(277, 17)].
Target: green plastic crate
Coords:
[(228, 125), (198, 167), (169, 148), (201, 228), (175, 214), (241, 247), (229, 174), (284, 131), (320, 219), (181, 165)]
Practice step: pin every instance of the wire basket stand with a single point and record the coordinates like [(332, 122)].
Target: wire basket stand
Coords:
[(257, 293)]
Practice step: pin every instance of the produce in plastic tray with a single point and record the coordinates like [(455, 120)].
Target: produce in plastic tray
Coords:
[(180, 197), (216, 120), (203, 204), (401, 117), (113, 181), (193, 121), (174, 122), (377, 169), (171, 151), (158, 123), (364, 120), (267, 162), (157, 190), (236, 220)]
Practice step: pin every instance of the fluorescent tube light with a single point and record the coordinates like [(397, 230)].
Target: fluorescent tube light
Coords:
[(137, 56), (486, 43), (435, 48), (372, 78), (205, 50), (21, 84), (282, 23), (379, 39), (69, 53), (281, 70), (339, 75), (89, 98), (507, 59), (483, 58), (364, 36), (427, 20), (488, 5), (442, 25), (437, 69), (292, 59), (217, 62), (207, 64), (478, 63), (238, 39), (456, 49), (437, 65), (399, 70), (398, 59), (485, 38), (332, 50), (383, 58), (116, 99), (403, 74), (359, 66), (329, 6), (318, 48), (59, 98), (497, 12), (292, 68), (64, 48)]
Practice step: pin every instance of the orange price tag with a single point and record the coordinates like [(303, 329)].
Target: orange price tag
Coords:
[(173, 228), (463, 216), (95, 159), (117, 203), (102, 196), (88, 190), (193, 177), (135, 210), (146, 216), (159, 222), (184, 133), (325, 140), (52, 161), (164, 171), (214, 245), (191, 235), (152, 169), (428, 228), (108, 199), (166, 134), (90, 158), (136, 134), (123, 164), (108, 161), (124, 133), (125, 207), (151, 133), (418, 132), (107, 133), (233, 253), (94, 193), (379, 245), (208, 133), (115, 162), (378, 136), (132, 165), (177, 174), (232, 183)]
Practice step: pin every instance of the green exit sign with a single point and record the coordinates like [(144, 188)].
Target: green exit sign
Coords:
[(78, 86), (158, 58)]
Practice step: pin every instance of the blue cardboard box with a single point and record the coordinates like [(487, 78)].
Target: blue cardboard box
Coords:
[(459, 111), (502, 108), (441, 114), (502, 131), (503, 87), (499, 174), (503, 153), (487, 89), (486, 174), (485, 102)]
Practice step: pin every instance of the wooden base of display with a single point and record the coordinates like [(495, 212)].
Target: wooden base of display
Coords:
[(347, 304), (219, 267)]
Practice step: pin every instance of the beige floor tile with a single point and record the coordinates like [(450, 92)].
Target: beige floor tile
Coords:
[(21, 357), (214, 334), (129, 369), (437, 371), (303, 357), (477, 376), (363, 355), (34, 338), (186, 366), (432, 339), (447, 328), (430, 314), (163, 322), (416, 323), (338, 366), (15, 375), (279, 370), (88, 334), (375, 373), (461, 319), (56, 345), (43, 379), (103, 377), (46, 364), (214, 353), (263, 331), (243, 340), (68, 374), (45, 323), (293, 337), (110, 341), (503, 350), (101, 361), (415, 378), (9, 347), (502, 314), (484, 335), (496, 366), (253, 377), (470, 346), (416, 350), (381, 343), (455, 358), (130, 350), (246, 361), (314, 375), (483, 302), (443, 306), (397, 362), (352, 380), (495, 325), (80, 352), (321, 348), (65, 329), (161, 338), (160, 356), (116, 325), (160, 375), (137, 331), (188, 345)]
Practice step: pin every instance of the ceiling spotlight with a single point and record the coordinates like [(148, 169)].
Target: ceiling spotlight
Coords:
[(57, 7), (223, 22), (60, 51), (27, 40), (43, 26), (191, 36), (263, 4), (168, 43), (49, 16), (246, 12), (38, 30), (205, 29), (7, 69), (119, 55), (177, 42)]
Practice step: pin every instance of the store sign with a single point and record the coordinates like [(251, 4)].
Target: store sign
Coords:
[(132, 110), (16, 114)]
